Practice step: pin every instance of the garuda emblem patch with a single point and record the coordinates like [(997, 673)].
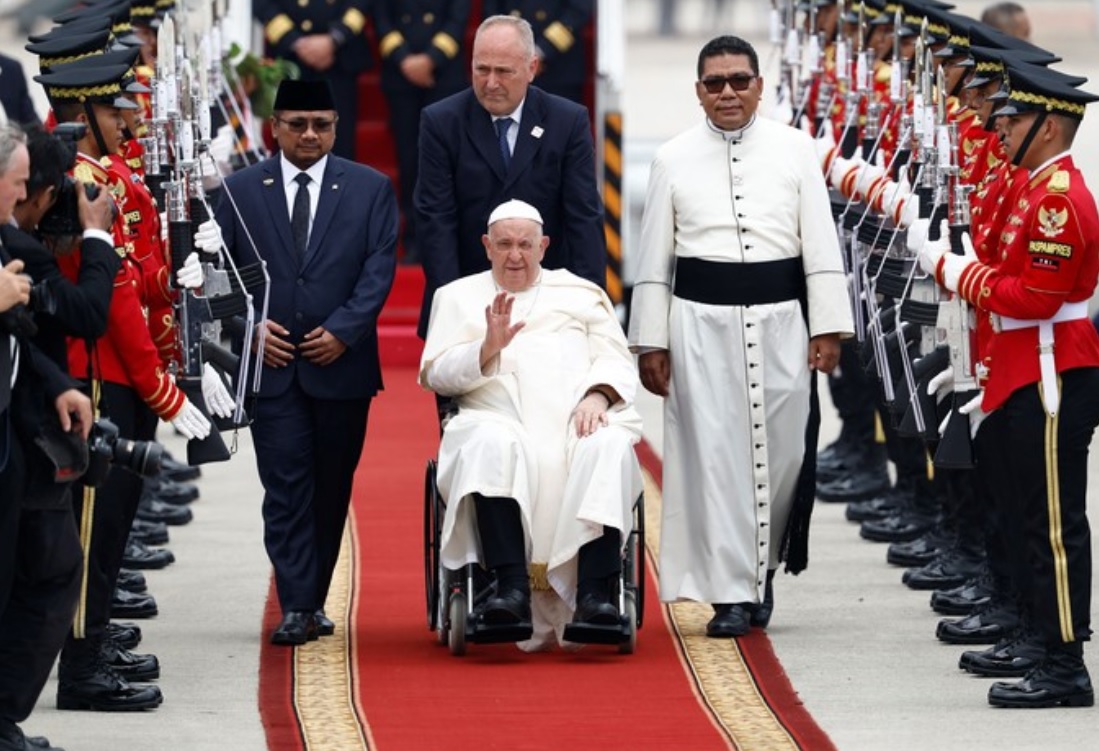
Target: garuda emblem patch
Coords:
[(1051, 222)]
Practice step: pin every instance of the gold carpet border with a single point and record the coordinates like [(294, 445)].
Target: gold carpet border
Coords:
[(325, 671), (716, 668)]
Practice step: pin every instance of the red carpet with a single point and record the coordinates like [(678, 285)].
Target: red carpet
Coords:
[(410, 693)]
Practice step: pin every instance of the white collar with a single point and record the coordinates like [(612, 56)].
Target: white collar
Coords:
[(289, 171), (517, 115), (731, 135)]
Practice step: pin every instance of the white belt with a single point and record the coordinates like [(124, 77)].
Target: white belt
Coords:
[(1069, 311)]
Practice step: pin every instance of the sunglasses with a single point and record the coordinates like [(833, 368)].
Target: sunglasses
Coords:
[(301, 124), (739, 82)]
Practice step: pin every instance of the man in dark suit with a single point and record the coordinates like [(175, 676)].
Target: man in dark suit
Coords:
[(15, 101), (502, 139), (558, 26), (324, 38), (330, 246)]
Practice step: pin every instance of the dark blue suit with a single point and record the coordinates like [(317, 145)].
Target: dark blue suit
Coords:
[(13, 93), (309, 421), (462, 179)]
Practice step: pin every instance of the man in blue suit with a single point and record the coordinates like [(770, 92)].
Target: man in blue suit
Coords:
[(327, 228), (504, 139), (15, 101)]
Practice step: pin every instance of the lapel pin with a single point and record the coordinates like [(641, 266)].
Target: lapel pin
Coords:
[(537, 131), (268, 181), (335, 186)]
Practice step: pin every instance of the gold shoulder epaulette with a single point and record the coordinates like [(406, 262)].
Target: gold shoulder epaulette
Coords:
[(1059, 181), (85, 173), (883, 73)]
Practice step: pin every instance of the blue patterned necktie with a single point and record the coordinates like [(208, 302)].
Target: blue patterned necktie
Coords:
[(502, 126), (299, 217)]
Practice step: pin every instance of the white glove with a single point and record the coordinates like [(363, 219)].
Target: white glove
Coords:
[(221, 149), (942, 384), (208, 237), (824, 143), (954, 264), (868, 173), (842, 175), (189, 275), (164, 227), (972, 408), (190, 422), (932, 251), (218, 399), (916, 237)]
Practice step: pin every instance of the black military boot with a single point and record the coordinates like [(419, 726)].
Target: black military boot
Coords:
[(1060, 680), (921, 516), (126, 635), (950, 569), (126, 604), (966, 598), (1013, 657), (858, 484), (921, 551), (130, 665), (131, 581), (85, 681), (996, 620)]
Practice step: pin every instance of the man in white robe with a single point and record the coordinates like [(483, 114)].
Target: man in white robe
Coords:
[(537, 467), (739, 298)]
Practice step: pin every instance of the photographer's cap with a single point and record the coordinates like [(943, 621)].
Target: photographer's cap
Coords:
[(86, 82), (514, 209)]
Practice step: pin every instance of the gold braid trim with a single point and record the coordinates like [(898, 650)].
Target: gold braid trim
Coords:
[(81, 93), (958, 40), (989, 67), (390, 42), (49, 62), (559, 36), (1051, 103), (447, 44), (278, 27), (354, 20)]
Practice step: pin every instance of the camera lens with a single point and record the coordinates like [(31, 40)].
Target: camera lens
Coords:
[(140, 457)]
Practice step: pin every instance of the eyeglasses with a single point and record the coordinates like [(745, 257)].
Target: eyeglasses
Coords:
[(301, 124), (739, 82)]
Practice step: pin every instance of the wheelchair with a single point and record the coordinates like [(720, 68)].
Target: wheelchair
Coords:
[(453, 596)]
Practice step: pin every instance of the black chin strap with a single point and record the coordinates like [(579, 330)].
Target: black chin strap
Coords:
[(1021, 152), (93, 124)]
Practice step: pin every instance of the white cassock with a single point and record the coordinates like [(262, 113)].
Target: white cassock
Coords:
[(735, 418), (513, 436)]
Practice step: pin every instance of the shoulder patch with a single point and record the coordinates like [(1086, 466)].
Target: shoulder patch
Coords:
[(1059, 181), (83, 172)]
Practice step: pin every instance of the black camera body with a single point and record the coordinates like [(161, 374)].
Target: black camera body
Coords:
[(106, 447), (19, 319), (63, 218)]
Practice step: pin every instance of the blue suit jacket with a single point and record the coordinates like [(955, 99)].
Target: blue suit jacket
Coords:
[(342, 281), (13, 93), (462, 179)]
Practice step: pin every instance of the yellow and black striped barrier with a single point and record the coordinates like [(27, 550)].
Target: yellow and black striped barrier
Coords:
[(612, 202)]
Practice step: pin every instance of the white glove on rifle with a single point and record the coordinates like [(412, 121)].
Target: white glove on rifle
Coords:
[(218, 399), (189, 275), (942, 384), (972, 408), (208, 237), (931, 252), (190, 422)]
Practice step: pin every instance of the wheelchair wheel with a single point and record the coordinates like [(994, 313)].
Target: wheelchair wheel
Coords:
[(458, 614), (636, 555), (442, 609), (627, 647), (432, 528)]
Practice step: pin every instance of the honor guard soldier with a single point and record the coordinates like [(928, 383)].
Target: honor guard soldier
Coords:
[(420, 44), (124, 374), (325, 39), (1042, 393), (558, 34)]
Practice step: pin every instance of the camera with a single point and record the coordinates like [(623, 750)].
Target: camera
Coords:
[(106, 447), (63, 218), (19, 320)]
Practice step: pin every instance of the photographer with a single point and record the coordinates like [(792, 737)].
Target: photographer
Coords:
[(40, 558)]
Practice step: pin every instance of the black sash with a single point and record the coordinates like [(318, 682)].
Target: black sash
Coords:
[(719, 283)]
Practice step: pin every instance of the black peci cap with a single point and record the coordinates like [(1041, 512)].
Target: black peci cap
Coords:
[(304, 96)]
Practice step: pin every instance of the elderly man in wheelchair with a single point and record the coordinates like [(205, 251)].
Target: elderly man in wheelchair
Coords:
[(537, 467)]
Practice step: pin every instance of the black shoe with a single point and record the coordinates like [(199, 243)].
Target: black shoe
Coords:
[(856, 486), (104, 690), (176, 471), (131, 581), (129, 605), (325, 626), (1014, 658), (1057, 681), (150, 533), (988, 625), (508, 607), (965, 599), (37, 743), (729, 621), (761, 614), (175, 493), (921, 551), (297, 627), (12, 739), (951, 569), (879, 507), (138, 556), (594, 610), (131, 666), (158, 511), (127, 635), (905, 526)]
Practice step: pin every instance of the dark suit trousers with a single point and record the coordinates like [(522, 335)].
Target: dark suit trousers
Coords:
[(111, 516), (307, 450), (40, 610)]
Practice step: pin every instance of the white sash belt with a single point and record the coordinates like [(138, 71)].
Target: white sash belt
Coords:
[(1069, 311)]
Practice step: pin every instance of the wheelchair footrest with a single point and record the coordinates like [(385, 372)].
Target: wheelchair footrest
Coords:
[(482, 633), (592, 633)]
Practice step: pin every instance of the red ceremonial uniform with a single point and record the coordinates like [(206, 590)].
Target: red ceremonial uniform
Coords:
[(1050, 242), (125, 354)]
